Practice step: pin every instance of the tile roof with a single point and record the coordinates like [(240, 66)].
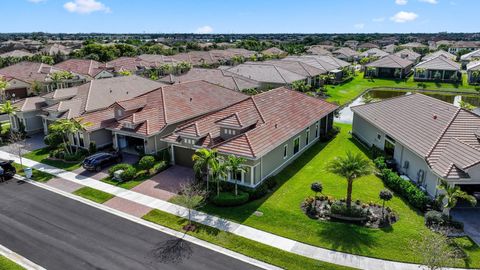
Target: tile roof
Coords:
[(408, 54), (52, 49), (173, 104), (471, 56), (16, 53), (413, 45), (132, 64), (436, 130), (328, 63), (266, 73), (30, 104), (295, 66), (273, 51), (82, 66), (267, 120), (439, 53), (375, 52), (367, 46), (439, 63), (346, 51), (318, 51), (28, 71), (215, 76), (473, 65), (391, 61)]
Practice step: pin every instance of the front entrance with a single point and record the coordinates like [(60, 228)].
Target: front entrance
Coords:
[(183, 156), (389, 147), (131, 145)]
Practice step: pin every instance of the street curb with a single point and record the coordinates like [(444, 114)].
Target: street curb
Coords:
[(154, 226), (18, 259)]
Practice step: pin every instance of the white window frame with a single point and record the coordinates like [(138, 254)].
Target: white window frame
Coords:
[(317, 129), (299, 145), (307, 136), (285, 151)]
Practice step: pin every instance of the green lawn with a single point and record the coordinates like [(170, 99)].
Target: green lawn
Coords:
[(241, 245), (92, 194), (36, 174), (6, 264), (41, 155), (282, 214), (346, 92), (126, 184)]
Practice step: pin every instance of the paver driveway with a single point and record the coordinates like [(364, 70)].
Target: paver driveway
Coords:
[(166, 184), (127, 158), (470, 216)]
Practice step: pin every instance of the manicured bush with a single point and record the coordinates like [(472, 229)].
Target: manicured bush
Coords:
[(258, 192), (380, 163), (92, 147), (117, 167), (355, 211), (128, 174), (78, 156), (146, 162), (141, 173), (57, 153), (52, 140), (377, 152), (229, 199), (433, 218), (406, 189), (158, 167)]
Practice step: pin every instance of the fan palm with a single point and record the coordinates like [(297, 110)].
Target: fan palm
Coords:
[(453, 194), (351, 166), (236, 165), (204, 159)]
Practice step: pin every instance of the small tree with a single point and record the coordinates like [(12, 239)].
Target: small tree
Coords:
[(352, 166), (219, 171), (16, 145), (3, 85), (10, 110), (385, 195), (192, 197), (204, 159), (434, 250), (236, 165), (301, 86), (452, 194)]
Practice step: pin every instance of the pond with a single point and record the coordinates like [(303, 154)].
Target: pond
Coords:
[(346, 115)]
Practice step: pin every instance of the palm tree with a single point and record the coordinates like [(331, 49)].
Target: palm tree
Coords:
[(3, 85), (10, 110), (452, 194), (236, 165), (204, 159), (351, 166), (66, 127), (219, 171)]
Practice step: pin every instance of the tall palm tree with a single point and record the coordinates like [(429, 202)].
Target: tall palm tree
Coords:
[(204, 159), (10, 110), (66, 127), (3, 85), (452, 194), (219, 171), (236, 165), (351, 166)]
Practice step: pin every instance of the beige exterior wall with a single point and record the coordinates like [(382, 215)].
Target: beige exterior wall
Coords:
[(31, 121), (101, 137)]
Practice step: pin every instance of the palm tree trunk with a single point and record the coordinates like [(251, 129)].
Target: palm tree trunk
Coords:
[(208, 174), (236, 187), (349, 193)]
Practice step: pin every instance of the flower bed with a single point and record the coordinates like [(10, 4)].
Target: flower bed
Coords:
[(368, 215)]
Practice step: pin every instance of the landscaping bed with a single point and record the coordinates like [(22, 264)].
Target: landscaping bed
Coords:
[(42, 155)]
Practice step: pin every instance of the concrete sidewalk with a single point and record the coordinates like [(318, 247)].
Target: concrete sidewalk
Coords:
[(263, 237)]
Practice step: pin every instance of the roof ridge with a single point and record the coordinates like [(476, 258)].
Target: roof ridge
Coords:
[(164, 109), (258, 109), (88, 94)]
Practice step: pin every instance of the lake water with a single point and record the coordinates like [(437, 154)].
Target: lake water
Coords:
[(346, 115)]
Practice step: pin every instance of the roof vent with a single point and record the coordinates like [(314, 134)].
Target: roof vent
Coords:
[(276, 125), (191, 99), (435, 117)]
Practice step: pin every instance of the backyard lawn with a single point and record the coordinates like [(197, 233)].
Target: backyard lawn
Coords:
[(282, 214), (6, 264), (41, 155), (346, 92)]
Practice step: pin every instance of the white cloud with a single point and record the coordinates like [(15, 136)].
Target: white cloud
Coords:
[(401, 2), (379, 19), (204, 30), (85, 6), (404, 16), (430, 1), (359, 26), (36, 1)]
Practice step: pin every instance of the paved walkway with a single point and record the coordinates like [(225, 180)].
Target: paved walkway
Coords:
[(263, 237)]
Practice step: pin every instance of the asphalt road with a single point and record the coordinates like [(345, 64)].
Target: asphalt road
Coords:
[(59, 233)]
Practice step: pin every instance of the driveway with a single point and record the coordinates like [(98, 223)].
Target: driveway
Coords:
[(32, 142), (470, 216), (60, 233), (166, 184), (127, 158)]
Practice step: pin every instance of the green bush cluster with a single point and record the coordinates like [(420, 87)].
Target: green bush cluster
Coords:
[(158, 167), (355, 211), (406, 189), (229, 199), (435, 218), (146, 162)]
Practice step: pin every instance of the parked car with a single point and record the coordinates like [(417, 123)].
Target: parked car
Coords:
[(7, 171), (99, 160)]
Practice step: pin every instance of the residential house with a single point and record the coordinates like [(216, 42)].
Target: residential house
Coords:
[(137, 125), (374, 52), (414, 46), (352, 44), (440, 53), (390, 48), (318, 51), (275, 52), (16, 53), (330, 64), (346, 54), (28, 78), (390, 66), (464, 46), (215, 76), (428, 138), (468, 57), (56, 49), (439, 68), (133, 65), (27, 117), (367, 46), (90, 69), (269, 130), (267, 75), (409, 55), (473, 72)]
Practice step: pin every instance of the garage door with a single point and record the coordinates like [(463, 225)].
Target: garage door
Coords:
[(183, 156), (19, 93)]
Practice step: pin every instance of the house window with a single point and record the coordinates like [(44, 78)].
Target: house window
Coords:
[(316, 130), (189, 141), (296, 145), (307, 136), (285, 151), (81, 141), (379, 136)]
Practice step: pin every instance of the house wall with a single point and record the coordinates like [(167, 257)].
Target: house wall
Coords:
[(31, 121), (101, 137), (104, 74), (367, 133)]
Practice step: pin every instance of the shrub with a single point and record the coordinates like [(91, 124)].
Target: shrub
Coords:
[(316, 187), (330, 134), (376, 152), (52, 140), (92, 147), (340, 208), (141, 173), (406, 189), (128, 174), (433, 218), (158, 167), (117, 167), (163, 155), (258, 192), (380, 163), (146, 162), (57, 153), (78, 156), (271, 182), (229, 199)]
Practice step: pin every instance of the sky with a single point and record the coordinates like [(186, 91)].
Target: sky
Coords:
[(239, 16)]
